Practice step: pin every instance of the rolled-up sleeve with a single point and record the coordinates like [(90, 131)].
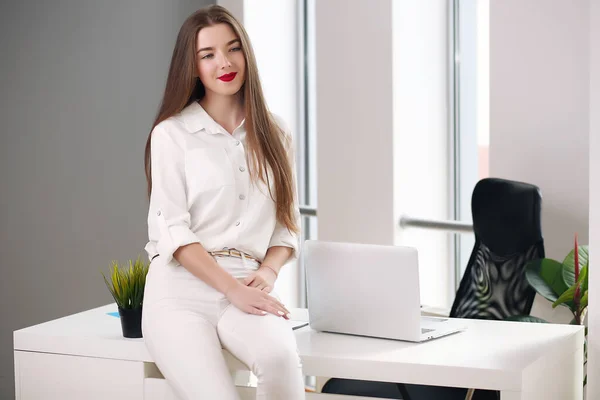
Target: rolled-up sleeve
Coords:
[(168, 198), (281, 235)]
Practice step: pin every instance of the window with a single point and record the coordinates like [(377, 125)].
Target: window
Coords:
[(440, 121), (275, 28), (441, 95), (471, 86)]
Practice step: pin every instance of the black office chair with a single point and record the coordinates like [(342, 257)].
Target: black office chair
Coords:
[(508, 234)]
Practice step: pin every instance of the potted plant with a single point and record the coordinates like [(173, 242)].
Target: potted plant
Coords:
[(126, 285), (564, 284)]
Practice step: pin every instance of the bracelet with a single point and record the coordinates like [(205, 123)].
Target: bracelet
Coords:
[(275, 272)]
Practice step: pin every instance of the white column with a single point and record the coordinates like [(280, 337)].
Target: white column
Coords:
[(593, 371), (354, 121)]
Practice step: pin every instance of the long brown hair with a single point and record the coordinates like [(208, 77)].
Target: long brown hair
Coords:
[(265, 139)]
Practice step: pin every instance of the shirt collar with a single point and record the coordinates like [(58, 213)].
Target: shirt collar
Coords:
[(196, 119)]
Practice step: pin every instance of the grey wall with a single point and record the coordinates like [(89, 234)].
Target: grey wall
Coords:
[(80, 83)]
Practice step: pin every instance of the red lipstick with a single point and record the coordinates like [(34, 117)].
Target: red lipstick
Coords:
[(228, 77)]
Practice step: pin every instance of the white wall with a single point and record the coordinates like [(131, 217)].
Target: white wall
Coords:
[(593, 390), (539, 113), (539, 65), (354, 121)]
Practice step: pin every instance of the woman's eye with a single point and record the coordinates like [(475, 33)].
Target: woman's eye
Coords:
[(207, 56), (236, 49)]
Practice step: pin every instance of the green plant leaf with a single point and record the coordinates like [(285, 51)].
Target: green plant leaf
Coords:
[(526, 318), (545, 276), (584, 280), (568, 297), (127, 282), (584, 300), (569, 264), (569, 294)]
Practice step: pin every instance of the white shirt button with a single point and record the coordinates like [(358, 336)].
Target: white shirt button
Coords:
[(158, 213), (237, 142), (242, 169), (237, 223), (242, 197)]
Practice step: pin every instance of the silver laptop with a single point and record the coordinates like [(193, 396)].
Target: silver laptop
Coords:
[(368, 290)]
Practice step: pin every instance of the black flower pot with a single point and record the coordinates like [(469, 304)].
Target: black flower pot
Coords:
[(131, 322)]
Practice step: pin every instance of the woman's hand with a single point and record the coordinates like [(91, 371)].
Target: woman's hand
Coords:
[(256, 301), (263, 278)]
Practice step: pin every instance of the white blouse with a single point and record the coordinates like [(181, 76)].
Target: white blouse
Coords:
[(202, 191)]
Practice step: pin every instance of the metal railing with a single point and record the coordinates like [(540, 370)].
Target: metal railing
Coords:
[(412, 222), (308, 211), (450, 226), (455, 227)]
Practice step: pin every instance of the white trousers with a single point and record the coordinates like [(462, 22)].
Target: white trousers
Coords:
[(186, 322)]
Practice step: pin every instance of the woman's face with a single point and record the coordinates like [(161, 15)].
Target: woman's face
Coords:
[(220, 60)]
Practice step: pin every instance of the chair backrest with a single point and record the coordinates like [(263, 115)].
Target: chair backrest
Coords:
[(508, 234)]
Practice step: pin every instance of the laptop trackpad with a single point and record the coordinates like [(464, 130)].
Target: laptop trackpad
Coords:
[(430, 320), (430, 324)]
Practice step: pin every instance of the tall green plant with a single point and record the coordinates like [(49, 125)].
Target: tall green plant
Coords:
[(127, 283), (563, 283)]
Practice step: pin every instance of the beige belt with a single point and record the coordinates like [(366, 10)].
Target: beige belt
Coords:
[(233, 253)]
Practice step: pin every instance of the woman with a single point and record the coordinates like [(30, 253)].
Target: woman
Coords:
[(223, 219)]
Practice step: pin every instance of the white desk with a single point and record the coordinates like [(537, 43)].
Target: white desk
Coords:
[(85, 356)]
